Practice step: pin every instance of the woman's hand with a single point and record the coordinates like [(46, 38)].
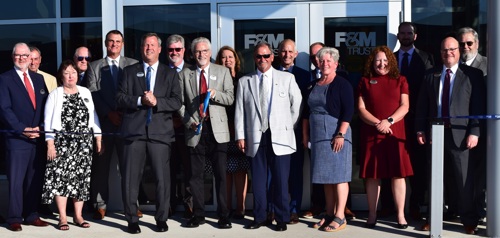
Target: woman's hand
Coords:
[(99, 145), (337, 143), (51, 150), (384, 127)]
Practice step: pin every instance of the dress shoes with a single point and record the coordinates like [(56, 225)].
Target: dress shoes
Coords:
[(307, 214), (99, 214), (280, 226), (256, 225), (402, 226), (270, 218), (37, 222), (224, 223), (139, 213), (161, 226), (349, 215), (294, 219), (470, 230), (425, 227), (195, 221), (133, 228), (15, 227)]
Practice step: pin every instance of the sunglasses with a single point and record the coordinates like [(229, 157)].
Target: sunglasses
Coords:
[(469, 43), (174, 49), (81, 58), (263, 56)]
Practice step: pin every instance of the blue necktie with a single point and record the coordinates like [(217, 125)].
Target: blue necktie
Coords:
[(148, 88)]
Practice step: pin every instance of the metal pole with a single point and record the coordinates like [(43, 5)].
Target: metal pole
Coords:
[(493, 136), (437, 168)]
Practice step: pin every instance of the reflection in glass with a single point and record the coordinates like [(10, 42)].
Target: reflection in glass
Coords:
[(75, 35), (80, 8), (27, 9)]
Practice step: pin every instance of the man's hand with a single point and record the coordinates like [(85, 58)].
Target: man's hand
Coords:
[(31, 132), (115, 117), (194, 126), (421, 137), (472, 141), (212, 93), (148, 99), (242, 145)]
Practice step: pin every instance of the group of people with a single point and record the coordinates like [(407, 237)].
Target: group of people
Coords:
[(178, 115)]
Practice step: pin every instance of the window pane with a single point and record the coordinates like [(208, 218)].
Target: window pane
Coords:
[(27, 9), (75, 35), (42, 36), (80, 8), (190, 21)]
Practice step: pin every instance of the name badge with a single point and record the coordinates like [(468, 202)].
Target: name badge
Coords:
[(213, 77), (282, 94), (373, 81), (140, 74)]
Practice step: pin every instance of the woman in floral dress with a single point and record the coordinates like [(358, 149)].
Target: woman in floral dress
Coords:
[(70, 114)]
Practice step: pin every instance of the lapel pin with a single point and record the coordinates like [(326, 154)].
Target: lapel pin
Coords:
[(373, 81), (42, 91)]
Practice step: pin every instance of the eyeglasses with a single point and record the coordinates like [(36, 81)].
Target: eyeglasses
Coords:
[(81, 58), (18, 56), (469, 43), (448, 50), (198, 52), (266, 56), (174, 49)]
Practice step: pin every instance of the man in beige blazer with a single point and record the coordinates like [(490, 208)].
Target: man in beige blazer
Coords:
[(211, 143), (264, 131)]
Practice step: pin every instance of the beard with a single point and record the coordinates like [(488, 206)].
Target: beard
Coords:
[(468, 55), (407, 42)]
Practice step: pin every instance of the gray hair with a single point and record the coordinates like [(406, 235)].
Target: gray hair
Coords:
[(81, 47), (17, 45), (175, 38), (151, 34), (34, 48), (465, 30), (199, 40), (334, 53)]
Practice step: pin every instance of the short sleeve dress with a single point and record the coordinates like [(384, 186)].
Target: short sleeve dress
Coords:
[(383, 155)]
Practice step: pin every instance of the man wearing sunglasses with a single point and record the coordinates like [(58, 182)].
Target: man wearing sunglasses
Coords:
[(81, 58), (101, 78), (468, 41), (268, 104)]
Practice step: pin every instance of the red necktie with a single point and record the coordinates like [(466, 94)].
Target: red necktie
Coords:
[(203, 91), (445, 100), (29, 88)]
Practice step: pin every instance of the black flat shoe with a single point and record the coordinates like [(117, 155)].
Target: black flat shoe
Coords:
[(281, 226), (161, 226), (224, 223), (370, 225), (402, 226), (195, 222), (133, 228), (256, 225)]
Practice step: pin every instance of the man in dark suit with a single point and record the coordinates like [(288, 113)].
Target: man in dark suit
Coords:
[(268, 104), (101, 78), (454, 90), (413, 63), (181, 194), (468, 40), (82, 58), (22, 99), (287, 52), (148, 94), (211, 144)]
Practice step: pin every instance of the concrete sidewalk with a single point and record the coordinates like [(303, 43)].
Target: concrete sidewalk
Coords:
[(114, 226)]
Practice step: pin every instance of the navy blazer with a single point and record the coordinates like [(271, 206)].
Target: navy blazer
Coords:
[(168, 95), (16, 109)]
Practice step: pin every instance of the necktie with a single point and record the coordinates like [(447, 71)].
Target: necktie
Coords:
[(148, 88), (445, 100), (114, 71), (30, 90), (203, 92), (404, 64), (80, 78), (264, 104)]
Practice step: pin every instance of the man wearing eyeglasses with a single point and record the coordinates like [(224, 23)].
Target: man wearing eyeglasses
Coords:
[(180, 194), (268, 104), (102, 78), (22, 99), (449, 91), (211, 143), (81, 58), (468, 40)]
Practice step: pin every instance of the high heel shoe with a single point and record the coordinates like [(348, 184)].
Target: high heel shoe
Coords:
[(402, 226)]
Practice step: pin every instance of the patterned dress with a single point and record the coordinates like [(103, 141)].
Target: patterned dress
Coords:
[(69, 174)]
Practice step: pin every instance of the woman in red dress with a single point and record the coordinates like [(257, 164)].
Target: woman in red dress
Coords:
[(383, 103)]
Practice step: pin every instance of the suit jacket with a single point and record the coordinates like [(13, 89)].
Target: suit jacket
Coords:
[(99, 81), (219, 79), (168, 95), (303, 79), (286, 103), (467, 98), (16, 109), (481, 62), (420, 63)]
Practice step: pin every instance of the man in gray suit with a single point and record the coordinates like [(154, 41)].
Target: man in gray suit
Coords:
[(468, 40), (149, 93), (454, 90), (101, 79), (211, 143), (268, 104)]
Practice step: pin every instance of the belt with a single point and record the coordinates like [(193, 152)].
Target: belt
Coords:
[(322, 113)]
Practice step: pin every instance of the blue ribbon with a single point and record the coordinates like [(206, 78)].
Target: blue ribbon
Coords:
[(205, 106)]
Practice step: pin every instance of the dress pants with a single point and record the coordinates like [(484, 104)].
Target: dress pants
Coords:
[(208, 148), (295, 180), (135, 154), (266, 163), (25, 172)]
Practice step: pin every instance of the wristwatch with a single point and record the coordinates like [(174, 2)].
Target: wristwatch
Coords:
[(390, 120), (340, 134)]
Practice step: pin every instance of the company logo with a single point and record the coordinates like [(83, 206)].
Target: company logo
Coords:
[(357, 43), (273, 39)]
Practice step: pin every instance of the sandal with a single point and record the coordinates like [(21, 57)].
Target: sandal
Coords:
[(327, 220), (342, 224), (84, 224), (63, 226), (319, 223)]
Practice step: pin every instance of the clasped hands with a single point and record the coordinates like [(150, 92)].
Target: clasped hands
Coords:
[(32, 132), (148, 99), (384, 127)]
